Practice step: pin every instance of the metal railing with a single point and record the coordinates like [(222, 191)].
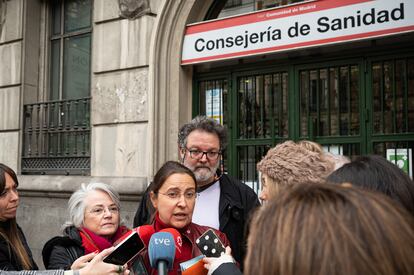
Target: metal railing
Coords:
[(56, 137)]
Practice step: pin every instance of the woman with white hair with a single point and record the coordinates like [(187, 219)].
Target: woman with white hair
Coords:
[(94, 225)]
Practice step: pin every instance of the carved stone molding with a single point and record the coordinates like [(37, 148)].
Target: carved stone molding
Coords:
[(3, 11), (170, 85), (133, 9)]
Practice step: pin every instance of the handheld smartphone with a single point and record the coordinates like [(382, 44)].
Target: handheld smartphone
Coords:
[(125, 250), (210, 244)]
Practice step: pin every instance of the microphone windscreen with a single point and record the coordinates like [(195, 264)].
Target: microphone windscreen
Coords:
[(161, 248), (145, 232), (178, 240)]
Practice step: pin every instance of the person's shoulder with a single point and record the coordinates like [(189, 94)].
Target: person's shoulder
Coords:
[(71, 238), (59, 241), (236, 183), (227, 268), (58, 249)]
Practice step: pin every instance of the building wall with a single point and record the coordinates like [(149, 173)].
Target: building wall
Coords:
[(140, 96), (120, 140), (11, 42)]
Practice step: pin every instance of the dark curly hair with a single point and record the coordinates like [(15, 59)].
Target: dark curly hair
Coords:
[(205, 124)]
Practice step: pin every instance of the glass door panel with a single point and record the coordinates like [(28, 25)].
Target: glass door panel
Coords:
[(329, 101), (398, 152), (213, 99), (393, 96), (262, 108), (76, 76)]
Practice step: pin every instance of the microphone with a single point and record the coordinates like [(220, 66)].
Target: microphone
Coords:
[(161, 252), (145, 232), (177, 239)]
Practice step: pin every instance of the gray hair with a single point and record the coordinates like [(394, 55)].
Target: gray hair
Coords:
[(205, 124), (76, 204)]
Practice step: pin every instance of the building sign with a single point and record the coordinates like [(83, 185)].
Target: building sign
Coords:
[(402, 158), (303, 25)]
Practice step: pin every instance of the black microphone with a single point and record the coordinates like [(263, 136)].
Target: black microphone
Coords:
[(161, 251)]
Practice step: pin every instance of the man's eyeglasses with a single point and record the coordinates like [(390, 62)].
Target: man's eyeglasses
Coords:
[(198, 154), (174, 195)]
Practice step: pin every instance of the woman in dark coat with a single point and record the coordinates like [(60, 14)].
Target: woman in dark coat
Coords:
[(94, 226), (15, 254)]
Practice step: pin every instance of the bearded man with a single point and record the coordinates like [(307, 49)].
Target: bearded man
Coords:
[(223, 203)]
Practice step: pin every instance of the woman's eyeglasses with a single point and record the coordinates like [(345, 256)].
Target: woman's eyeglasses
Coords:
[(189, 195), (97, 211)]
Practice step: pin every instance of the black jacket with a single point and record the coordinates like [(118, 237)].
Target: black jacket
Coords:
[(237, 201), (60, 252), (227, 269), (8, 259)]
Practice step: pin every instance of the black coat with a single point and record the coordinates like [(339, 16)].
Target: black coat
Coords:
[(60, 252), (237, 200), (227, 269), (8, 259)]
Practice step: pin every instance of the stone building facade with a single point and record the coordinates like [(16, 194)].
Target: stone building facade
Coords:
[(139, 96), (128, 56)]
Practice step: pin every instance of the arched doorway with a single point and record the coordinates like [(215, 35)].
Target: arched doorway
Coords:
[(170, 87)]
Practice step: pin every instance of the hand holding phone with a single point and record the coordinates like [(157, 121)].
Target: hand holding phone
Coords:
[(210, 244), (127, 249)]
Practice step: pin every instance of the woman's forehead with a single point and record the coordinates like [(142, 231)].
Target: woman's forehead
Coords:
[(9, 181), (178, 181), (96, 197)]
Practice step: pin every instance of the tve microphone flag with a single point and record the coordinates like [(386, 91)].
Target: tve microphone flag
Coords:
[(161, 251), (178, 240)]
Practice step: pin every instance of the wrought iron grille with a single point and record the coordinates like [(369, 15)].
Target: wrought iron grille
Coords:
[(57, 137)]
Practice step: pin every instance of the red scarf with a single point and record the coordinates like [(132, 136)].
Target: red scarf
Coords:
[(92, 242), (186, 251)]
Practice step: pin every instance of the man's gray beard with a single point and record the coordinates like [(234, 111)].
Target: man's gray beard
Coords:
[(203, 177)]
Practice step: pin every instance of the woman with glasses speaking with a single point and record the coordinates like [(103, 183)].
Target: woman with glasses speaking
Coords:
[(172, 200), (94, 225)]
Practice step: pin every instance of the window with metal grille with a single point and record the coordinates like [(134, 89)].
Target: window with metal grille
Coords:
[(57, 131), (262, 117), (392, 82), (329, 101)]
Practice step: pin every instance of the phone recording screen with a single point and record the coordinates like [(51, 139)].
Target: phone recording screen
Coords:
[(125, 250)]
